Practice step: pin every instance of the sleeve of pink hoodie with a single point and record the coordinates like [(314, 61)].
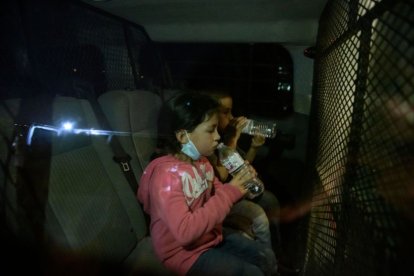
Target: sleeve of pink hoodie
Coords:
[(187, 225)]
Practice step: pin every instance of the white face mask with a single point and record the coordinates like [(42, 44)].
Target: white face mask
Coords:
[(190, 149)]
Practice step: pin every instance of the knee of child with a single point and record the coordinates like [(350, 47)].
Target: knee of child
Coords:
[(261, 221)]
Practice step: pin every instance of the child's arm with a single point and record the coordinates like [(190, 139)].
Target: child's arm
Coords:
[(257, 142), (187, 225), (233, 131)]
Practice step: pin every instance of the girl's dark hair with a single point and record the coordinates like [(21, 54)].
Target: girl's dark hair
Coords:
[(185, 110)]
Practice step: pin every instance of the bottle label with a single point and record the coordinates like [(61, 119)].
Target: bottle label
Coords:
[(233, 162)]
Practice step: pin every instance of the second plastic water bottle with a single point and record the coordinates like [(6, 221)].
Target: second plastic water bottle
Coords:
[(233, 162), (267, 129)]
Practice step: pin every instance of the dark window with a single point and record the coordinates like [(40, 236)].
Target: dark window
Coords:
[(259, 75)]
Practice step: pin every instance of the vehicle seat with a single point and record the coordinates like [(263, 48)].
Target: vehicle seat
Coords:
[(91, 210), (134, 111), (137, 112)]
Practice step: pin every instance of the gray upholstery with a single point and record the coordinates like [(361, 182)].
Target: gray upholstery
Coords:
[(82, 194), (91, 209), (136, 112)]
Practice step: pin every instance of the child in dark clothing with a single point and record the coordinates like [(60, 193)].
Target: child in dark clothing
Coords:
[(265, 224)]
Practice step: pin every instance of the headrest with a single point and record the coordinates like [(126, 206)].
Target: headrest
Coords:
[(134, 110)]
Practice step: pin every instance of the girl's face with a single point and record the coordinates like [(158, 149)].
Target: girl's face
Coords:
[(205, 136), (225, 115)]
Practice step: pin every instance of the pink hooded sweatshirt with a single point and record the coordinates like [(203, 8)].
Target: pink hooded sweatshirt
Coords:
[(187, 205)]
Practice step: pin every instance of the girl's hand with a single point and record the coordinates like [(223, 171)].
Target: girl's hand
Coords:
[(238, 124), (245, 174), (258, 141), (233, 131)]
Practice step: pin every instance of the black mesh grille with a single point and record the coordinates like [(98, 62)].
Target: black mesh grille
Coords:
[(109, 35), (361, 143), (64, 39)]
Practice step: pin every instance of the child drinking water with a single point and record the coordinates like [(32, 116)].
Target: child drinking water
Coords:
[(263, 211), (187, 203)]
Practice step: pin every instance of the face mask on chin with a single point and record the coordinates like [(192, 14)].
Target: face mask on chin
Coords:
[(190, 149)]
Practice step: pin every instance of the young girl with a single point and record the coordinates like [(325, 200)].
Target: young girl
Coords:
[(187, 203)]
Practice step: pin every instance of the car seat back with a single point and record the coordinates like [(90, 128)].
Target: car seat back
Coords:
[(134, 111), (90, 209)]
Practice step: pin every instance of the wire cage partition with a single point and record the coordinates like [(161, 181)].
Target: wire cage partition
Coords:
[(361, 148)]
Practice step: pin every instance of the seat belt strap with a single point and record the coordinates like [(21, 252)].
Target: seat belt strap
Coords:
[(120, 156)]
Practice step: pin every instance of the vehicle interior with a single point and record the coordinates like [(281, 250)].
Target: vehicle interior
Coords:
[(82, 83)]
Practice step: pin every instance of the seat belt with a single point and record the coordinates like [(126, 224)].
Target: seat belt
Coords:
[(120, 156)]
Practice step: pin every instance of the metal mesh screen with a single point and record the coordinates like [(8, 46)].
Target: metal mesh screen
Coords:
[(53, 48), (361, 141), (65, 39), (109, 35)]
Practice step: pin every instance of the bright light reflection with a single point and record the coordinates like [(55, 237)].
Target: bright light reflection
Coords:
[(68, 128), (167, 188), (174, 169)]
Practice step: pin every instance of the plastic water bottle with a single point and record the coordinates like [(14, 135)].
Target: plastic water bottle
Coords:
[(233, 162), (267, 129)]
